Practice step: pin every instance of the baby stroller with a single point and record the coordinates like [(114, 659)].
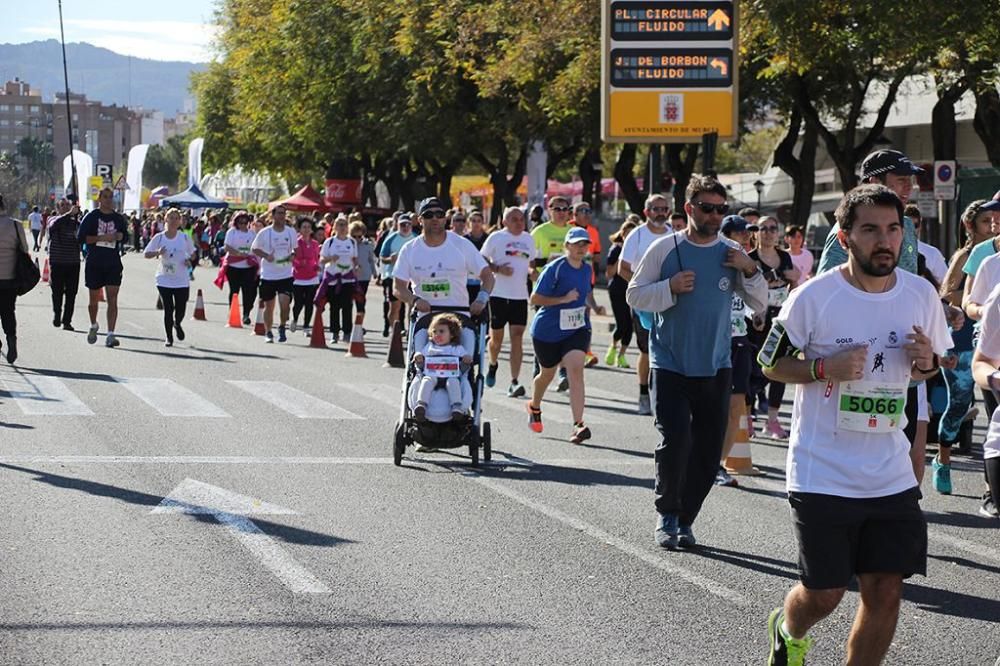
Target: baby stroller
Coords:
[(438, 430)]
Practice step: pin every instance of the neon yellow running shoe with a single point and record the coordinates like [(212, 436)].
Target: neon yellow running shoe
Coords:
[(785, 650), (623, 361), (609, 358)]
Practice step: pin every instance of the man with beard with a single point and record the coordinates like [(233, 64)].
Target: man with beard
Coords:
[(853, 338), (686, 281), (657, 212)]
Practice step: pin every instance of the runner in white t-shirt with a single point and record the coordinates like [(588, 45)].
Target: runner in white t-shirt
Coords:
[(276, 246), (35, 224), (431, 270), (240, 272), (657, 225), (510, 253), (339, 255), (851, 341), (984, 367), (175, 250)]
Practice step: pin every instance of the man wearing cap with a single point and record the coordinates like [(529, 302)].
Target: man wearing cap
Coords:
[(391, 246), (687, 281), (430, 271), (657, 212)]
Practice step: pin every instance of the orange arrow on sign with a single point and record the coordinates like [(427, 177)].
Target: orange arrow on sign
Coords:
[(719, 20), (720, 65)]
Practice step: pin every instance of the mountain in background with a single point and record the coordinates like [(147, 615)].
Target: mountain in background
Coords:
[(100, 74)]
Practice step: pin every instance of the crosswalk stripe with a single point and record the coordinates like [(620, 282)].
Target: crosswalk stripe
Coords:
[(170, 398), (293, 401), (39, 395), (384, 393)]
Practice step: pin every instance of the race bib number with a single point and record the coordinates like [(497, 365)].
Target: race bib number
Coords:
[(776, 297), (103, 229), (433, 289), (442, 366), (571, 319), (871, 407)]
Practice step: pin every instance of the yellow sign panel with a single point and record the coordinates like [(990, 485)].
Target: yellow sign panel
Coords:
[(666, 115), (94, 185)]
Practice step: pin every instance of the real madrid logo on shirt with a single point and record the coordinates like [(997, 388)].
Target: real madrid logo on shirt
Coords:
[(724, 284)]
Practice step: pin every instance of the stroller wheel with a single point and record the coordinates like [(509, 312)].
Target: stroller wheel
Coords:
[(474, 449), (487, 442), (398, 445)]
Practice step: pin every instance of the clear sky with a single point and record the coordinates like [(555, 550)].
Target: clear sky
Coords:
[(164, 30)]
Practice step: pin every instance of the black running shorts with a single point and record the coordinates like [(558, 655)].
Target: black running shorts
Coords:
[(641, 334), (550, 354), (270, 288), (505, 311)]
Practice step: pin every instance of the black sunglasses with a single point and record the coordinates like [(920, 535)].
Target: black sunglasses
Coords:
[(431, 214), (458, 219), (562, 209), (585, 211), (707, 208), (660, 209)]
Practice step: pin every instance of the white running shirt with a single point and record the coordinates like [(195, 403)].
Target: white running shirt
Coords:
[(438, 274), (503, 247), (281, 244)]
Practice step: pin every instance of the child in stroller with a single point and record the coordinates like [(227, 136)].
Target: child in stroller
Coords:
[(443, 361)]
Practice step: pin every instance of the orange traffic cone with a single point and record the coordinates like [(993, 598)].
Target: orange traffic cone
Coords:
[(235, 320), (45, 271), (739, 460), (318, 337), (258, 327), (395, 358), (199, 307), (357, 348)]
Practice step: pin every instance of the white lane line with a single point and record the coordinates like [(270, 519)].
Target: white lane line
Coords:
[(985, 552), (38, 395), (384, 393), (295, 402), (661, 563), (170, 398)]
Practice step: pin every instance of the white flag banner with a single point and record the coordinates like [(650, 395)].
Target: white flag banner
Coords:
[(84, 170), (537, 162), (136, 160), (194, 161)]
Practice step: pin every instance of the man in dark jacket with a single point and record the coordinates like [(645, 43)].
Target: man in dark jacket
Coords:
[(64, 262)]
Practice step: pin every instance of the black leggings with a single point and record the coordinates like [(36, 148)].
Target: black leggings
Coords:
[(775, 390), (340, 308), (174, 303), (623, 317), (8, 296), (362, 299), (303, 295), (243, 280)]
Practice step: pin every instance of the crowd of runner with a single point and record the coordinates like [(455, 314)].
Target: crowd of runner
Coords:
[(724, 314)]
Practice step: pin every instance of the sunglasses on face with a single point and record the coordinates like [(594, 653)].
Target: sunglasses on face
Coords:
[(707, 208), (431, 214), (458, 219), (561, 209), (584, 211), (660, 209)]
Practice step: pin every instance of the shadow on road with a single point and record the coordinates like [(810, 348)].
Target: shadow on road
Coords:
[(759, 563), (575, 476), (948, 602), (960, 519), (286, 533), (183, 357), (65, 374), (243, 625), (222, 352)]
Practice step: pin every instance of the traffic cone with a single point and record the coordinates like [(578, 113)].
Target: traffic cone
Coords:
[(739, 460), (45, 271), (318, 337), (395, 358), (258, 328), (357, 348), (199, 307), (235, 320)]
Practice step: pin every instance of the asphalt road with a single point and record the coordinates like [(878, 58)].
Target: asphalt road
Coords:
[(167, 506)]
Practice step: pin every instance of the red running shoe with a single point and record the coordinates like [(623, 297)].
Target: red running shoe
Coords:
[(534, 418)]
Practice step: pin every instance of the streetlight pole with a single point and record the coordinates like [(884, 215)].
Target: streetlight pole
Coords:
[(759, 186), (73, 185)]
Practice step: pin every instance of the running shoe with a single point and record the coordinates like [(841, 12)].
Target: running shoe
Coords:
[(609, 358), (92, 334), (785, 650), (334, 339), (57, 322), (988, 508), (623, 361), (581, 433), (180, 332), (645, 407), (563, 384), (281, 334), (111, 341), (491, 376), (168, 343), (293, 326), (685, 537), (591, 360), (269, 337), (942, 476), (774, 429), (68, 327), (724, 478), (515, 390), (534, 418), (385, 331), (667, 530)]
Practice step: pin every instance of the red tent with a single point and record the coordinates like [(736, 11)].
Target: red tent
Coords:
[(306, 199)]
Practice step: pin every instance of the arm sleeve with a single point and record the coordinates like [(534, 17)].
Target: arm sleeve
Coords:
[(546, 283), (474, 262), (154, 243), (795, 317), (753, 290), (489, 247), (936, 327), (629, 248), (986, 280), (646, 291), (86, 228), (614, 254), (387, 246), (259, 243), (402, 266)]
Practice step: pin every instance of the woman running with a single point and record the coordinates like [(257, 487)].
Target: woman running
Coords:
[(622, 336), (340, 256), (305, 274), (561, 330), (241, 264), (366, 263), (176, 253)]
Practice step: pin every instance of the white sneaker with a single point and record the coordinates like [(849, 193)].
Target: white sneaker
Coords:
[(293, 326)]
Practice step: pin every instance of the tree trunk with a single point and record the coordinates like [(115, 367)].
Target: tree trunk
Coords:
[(681, 158), (624, 166), (987, 122), (588, 174), (944, 129)]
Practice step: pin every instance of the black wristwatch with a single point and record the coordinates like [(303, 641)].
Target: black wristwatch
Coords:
[(934, 366)]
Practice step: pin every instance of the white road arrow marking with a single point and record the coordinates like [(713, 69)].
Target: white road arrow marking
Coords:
[(233, 510)]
